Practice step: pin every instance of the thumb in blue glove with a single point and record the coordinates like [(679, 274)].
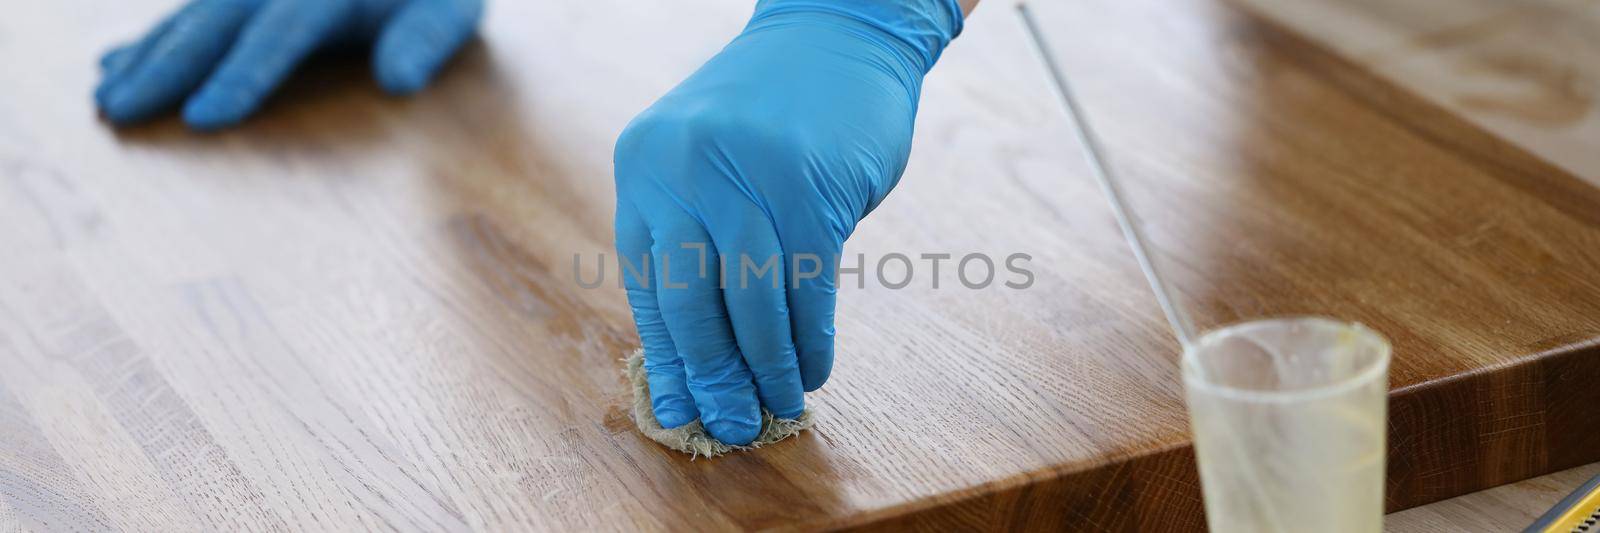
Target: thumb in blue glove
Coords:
[(774, 149), (222, 58)]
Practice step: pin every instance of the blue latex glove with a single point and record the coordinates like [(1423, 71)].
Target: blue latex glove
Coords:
[(224, 57), (776, 147)]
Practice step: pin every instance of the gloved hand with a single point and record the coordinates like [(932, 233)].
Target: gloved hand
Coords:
[(774, 149), (225, 56)]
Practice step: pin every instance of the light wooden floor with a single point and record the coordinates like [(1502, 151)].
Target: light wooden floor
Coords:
[(1523, 69), (1506, 508), (357, 312)]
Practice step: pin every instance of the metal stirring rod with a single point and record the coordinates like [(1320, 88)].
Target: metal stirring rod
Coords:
[(1126, 218)]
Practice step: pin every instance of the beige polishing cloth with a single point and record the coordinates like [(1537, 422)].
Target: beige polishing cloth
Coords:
[(692, 438)]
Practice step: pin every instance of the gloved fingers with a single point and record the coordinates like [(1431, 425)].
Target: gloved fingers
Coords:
[(177, 61), (117, 59), (115, 64), (811, 306), (813, 254), (691, 305), (419, 39), (753, 288), (669, 388), (269, 48)]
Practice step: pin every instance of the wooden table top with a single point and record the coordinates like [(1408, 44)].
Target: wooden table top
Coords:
[(358, 312)]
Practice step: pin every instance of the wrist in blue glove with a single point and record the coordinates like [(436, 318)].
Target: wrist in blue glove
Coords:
[(775, 148), (222, 58)]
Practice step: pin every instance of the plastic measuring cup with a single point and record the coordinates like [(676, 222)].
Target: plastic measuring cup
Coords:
[(1290, 418)]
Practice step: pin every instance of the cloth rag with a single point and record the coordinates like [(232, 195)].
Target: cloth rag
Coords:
[(692, 438)]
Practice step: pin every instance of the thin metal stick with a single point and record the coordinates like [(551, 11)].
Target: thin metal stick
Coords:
[(1126, 218)]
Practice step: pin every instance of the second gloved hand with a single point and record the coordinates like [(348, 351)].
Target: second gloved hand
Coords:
[(772, 151), (222, 58)]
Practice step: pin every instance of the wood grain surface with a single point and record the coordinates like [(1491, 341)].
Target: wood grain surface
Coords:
[(358, 312), (1509, 507)]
